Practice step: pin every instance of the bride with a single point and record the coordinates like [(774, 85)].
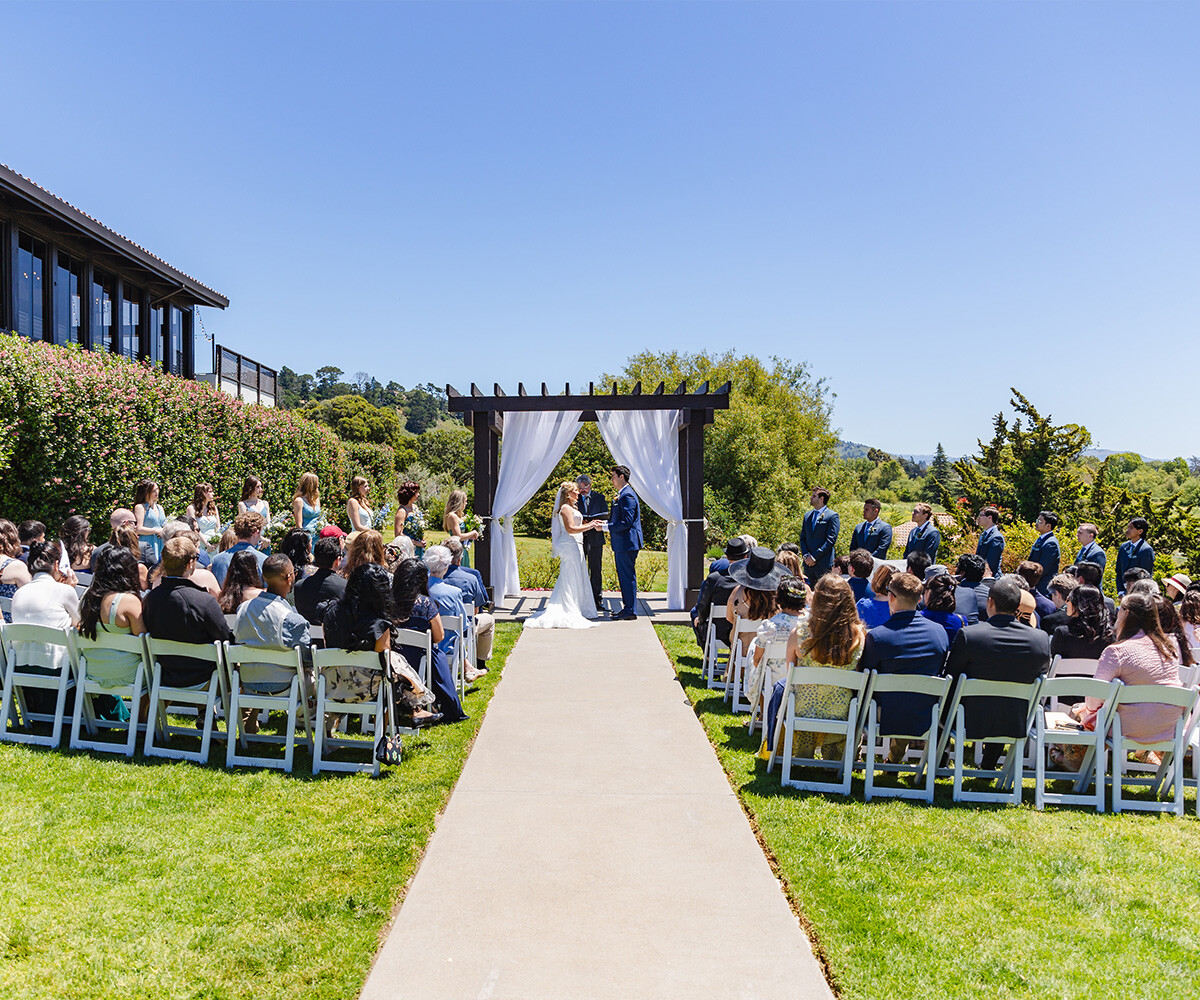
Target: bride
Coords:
[(571, 604)]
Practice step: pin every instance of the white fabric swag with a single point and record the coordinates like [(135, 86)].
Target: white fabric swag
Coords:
[(648, 443), (533, 443)]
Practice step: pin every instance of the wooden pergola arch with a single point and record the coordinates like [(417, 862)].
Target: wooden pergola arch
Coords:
[(485, 416)]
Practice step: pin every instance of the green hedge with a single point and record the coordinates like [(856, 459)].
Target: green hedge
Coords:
[(79, 429), (378, 463)]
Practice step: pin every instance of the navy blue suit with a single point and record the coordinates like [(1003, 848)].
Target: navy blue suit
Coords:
[(1092, 553), (861, 587), (925, 538), (874, 536), (907, 643), (991, 547), (625, 536), (471, 587), (1132, 554), (817, 539), (1045, 551)]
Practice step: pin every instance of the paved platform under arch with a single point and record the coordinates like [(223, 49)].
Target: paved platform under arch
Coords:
[(593, 848)]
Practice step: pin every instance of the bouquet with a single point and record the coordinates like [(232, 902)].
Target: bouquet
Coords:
[(472, 522), (382, 516), (414, 527), (273, 534)]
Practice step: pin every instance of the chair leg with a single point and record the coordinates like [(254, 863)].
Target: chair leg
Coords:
[(319, 726)]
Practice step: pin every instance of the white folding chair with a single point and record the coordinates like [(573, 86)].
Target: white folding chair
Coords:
[(472, 651), (1009, 785), (86, 688), (374, 710), (740, 662), (5, 608), (1170, 774), (80, 589), (83, 577), (775, 650), (1055, 728), (877, 737), (17, 678), (202, 697), (454, 624), (251, 665), (716, 652), (849, 728), (422, 641), (1062, 666), (317, 634)]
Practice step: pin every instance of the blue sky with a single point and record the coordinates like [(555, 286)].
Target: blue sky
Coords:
[(927, 202)]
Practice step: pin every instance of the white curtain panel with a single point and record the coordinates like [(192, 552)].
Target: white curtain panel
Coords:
[(648, 442), (532, 445)]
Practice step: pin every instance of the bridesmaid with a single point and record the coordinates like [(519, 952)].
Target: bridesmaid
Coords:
[(252, 499), (361, 516), (150, 516), (204, 509), (408, 515), (306, 507), (456, 506)]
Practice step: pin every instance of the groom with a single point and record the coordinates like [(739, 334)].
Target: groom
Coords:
[(625, 534)]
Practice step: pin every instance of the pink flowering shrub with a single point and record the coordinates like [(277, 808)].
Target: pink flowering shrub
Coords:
[(79, 429)]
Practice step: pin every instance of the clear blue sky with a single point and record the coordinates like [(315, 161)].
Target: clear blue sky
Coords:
[(927, 202)]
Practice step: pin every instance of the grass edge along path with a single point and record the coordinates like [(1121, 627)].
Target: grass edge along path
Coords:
[(951, 901), (164, 879)]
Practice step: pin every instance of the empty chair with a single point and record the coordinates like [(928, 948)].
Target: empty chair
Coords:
[(1054, 728), (36, 658), (203, 696), (372, 710), (934, 691), (274, 680), (102, 668)]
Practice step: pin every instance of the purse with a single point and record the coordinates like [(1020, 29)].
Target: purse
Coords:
[(389, 750)]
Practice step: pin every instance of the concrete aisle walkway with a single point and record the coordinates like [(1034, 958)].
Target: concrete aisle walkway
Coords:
[(593, 849)]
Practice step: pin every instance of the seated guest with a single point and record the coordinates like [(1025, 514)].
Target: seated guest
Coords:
[(1027, 609), (1060, 590), (466, 579), (200, 576), (121, 518), (783, 547), (1089, 550), (831, 636), (363, 547), (113, 605), (29, 532), (970, 598), (841, 566), (716, 591), (1135, 552), (324, 583), (75, 537), (1045, 551), (1141, 654), (1172, 626), (790, 562), (909, 642), (753, 600), (862, 566), (1144, 587), (940, 604), (818, 536), (180, 610), (267, 621), (203, 559), (1033, 574), (875, 610), (48, 599), (1088, 631), (362, 620), (791, 597), (414, 609), (1176, 586), (448, 598), (924, 538), (991, 542), (13, 571), (297, 545), (248, 529), (1133, 575), (1091, 574), (872, 533), (242, 582), (918, 563), (407, 549), (228, 540), (127, 538), (999, 649), (1189, 614)]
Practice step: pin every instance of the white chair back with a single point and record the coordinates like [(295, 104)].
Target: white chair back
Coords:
[(789, 723), (422, 641), (1170, 773), (1062, 666), (936, 688), (251, 665), (87, 688), (1055, 728), (17, 680), (373, 710), (202, 697)]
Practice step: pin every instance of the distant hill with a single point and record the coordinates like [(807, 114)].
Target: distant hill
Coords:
[(852, 449)]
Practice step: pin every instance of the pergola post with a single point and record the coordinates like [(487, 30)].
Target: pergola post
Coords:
[(691, 476), (487, 469)]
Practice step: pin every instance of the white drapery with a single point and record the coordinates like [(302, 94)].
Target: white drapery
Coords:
[(533, 444), (648, 443)]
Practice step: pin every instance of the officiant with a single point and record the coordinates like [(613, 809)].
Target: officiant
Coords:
[(592, 506)]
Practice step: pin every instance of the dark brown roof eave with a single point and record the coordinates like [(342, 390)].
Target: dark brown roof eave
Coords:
[(22, 186)]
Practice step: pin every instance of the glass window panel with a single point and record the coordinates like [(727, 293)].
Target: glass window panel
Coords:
[(130, 308), (154, 349), (31, 258), (102, 312), (68, 307), (175, 341)]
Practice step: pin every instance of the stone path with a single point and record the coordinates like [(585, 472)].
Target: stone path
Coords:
[(593, 848)]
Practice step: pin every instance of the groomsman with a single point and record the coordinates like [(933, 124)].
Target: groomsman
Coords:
[(1089, 551), (872, 534), (1135, 553), (991, 542), (924, 537), (1045, 550), (818, 537), (592, 506)]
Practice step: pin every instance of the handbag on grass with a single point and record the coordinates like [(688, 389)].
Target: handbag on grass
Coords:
[(388, 750)]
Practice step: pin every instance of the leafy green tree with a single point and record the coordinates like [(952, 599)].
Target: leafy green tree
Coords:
[(423, 406), (448, 453), (354, 419)]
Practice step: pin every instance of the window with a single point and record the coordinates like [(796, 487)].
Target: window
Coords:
[(174, 360), (129, 347), (154, 336), (102, 313), (31, 292), (68, 304)]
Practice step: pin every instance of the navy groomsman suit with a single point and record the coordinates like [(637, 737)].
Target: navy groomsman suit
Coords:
[(817, 538), (1132, 554), (1045, 551), (874, 536), (1092, 553), (905, 644), (925, 538), (991, 547)]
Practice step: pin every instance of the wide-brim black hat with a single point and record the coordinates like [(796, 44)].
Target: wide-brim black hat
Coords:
[(760, 571)]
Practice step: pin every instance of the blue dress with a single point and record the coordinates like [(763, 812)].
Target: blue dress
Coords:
[(441, 677), (309, 516), (7, 589), (155, 517)]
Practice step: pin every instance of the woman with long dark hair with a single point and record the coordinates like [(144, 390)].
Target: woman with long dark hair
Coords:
[(204, 509), (13, 572), (1089, 632), (252, 501), (76, 537), (1189, 613), (297, 546), (113, 604), (940, 602), (48, 599), (409, 520), (414, 609), (243, 582)]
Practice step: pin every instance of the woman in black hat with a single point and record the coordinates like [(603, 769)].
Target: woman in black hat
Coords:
[(753, 599)]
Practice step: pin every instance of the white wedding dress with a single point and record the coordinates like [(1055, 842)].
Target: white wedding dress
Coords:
[(571, 603)]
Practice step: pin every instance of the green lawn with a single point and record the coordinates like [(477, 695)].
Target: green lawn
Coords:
[(162, 880), (907, 901)]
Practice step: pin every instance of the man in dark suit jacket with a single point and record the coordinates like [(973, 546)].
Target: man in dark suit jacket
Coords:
[(1135, 553), (1089, 548), (1000, 649), (592, 506), (924, 537), (971, 594), (907, 643), (1045, 550), (1060, 589), (991, 542), (717, 589), (818, 537), (872, 533)]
